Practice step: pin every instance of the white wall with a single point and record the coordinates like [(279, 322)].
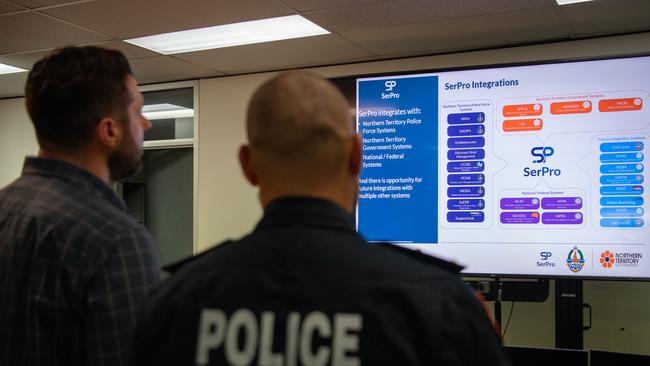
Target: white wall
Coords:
[(17, 139), (228, 206), (621, 320)]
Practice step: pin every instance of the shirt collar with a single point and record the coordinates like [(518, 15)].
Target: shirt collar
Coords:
[(310, 211), (73, 175)]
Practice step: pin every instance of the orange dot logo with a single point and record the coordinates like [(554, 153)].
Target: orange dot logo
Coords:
[(607, 259)]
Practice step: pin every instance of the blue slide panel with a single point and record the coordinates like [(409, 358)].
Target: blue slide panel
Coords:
[(621, 158), (622, 222), (621, 168), (621, 190), (621, 212), (465, 216), (466, 154), (409, 215), (465, 118), (466, 204), (469, 130), (465, 179), (465, 166), (621, 201), (465, 142), (621, 179), (459, 192), (621, 146)]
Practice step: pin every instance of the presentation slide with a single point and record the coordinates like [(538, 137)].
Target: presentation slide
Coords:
[(528, 170)]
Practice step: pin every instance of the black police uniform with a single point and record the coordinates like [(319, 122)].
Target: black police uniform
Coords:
[(305, 289)]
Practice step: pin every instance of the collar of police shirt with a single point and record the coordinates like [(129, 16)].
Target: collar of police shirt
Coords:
[(303, 210)]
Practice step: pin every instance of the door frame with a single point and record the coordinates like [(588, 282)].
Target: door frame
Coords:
[(183, 143)]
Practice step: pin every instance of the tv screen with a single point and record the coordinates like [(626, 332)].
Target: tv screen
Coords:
[(533, 170)]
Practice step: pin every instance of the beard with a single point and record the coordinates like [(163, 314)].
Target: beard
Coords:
[(126, 161)]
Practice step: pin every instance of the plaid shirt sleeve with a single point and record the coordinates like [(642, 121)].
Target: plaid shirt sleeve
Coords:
[(114, 296)]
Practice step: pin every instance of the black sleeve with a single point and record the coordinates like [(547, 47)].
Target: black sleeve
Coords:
[(471, 338)]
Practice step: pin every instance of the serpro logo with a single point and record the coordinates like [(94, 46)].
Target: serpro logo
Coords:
[(390, 94), (607, 259), (541, 153), (544, 260), (575, 260)]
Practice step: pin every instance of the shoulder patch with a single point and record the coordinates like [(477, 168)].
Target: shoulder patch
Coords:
[(429, 259), (174, 267)]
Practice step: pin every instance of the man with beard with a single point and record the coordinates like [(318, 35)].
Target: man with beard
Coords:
[(304, 288), (74, 266)]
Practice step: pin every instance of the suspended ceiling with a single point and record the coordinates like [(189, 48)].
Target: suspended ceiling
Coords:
[(361, 30)]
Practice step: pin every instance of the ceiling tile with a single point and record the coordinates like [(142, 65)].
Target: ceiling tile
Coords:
[(608, 17), (520, 27), (23, 60), (128, 19), (310, 5), (33, 4), (26, 60), (5, 8), (129, 50), (403, 12), (301, 52), (32, 31), (12, 85), (166, 68)]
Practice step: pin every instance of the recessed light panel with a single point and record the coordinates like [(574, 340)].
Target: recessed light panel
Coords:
[(6, 69), (166, 111), (565, 2), (229, 35)]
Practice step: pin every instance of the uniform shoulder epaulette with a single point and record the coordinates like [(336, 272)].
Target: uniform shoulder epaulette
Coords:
[(429, 259), (174, 267)]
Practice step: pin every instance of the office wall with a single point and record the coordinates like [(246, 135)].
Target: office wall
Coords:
[(228, 206), (16, 139)]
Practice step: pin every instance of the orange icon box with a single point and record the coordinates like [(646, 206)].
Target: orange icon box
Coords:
[(522, 110), (514, 125), (618, 105), (580, 106)]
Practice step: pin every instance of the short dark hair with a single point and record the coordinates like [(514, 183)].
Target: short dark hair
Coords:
[(69, 91)]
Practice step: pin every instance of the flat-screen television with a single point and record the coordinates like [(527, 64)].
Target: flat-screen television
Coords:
[(527, 170)]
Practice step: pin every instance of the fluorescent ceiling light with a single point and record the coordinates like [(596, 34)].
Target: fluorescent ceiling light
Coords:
[(565, 2), (229, 35), (166, 111), (6, 69)]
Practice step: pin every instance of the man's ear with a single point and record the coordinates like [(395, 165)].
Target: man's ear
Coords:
[(247, 165), (109, 133), (355, 155)]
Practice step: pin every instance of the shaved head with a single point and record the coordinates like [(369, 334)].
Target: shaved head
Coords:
[(300, 132), (301, 120)]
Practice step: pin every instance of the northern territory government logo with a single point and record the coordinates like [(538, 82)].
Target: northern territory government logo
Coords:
[(609, 259), (575, 260)]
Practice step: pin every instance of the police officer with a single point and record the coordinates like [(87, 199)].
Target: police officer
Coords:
[(304, 288)]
